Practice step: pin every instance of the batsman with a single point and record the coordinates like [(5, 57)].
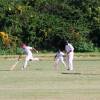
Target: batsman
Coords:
[(69, 54)]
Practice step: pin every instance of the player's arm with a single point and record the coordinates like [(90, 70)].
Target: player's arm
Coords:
[(63, 55), (69, 51), (34, 50)]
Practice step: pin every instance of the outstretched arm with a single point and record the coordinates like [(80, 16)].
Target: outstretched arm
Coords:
[(35, 50)]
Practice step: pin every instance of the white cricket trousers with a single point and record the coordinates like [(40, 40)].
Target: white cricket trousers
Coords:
[(57, 61), (28, 58), (70, 60)]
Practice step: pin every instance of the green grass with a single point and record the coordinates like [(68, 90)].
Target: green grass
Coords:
[(41, 82)]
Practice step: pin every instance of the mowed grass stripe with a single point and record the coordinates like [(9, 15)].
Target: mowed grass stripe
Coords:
[(41, 82)]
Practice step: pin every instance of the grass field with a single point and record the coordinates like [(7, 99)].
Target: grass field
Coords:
[(41, 82)]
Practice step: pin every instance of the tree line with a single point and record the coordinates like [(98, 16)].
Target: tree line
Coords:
[(47, 24)]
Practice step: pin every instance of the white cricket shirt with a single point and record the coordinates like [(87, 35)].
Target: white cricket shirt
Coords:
[(59, 54), (27, 50), (69, 48)]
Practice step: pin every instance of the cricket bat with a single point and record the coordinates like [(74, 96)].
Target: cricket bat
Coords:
[(14, 65)]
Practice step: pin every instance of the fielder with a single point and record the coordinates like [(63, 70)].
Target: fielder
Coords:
[(29, 57), (70, 54), (59, 57)]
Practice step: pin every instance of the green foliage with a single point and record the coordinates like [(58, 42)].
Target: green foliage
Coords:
[(84, 46), (46, 24)]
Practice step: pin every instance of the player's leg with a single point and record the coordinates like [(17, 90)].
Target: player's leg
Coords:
[(34, 58), (67, 61), (70, 60), (62, 61), (25, 62), (56, 64)]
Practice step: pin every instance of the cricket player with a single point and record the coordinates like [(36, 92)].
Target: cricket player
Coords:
[(29, 57), (70, 54), (59, 57)]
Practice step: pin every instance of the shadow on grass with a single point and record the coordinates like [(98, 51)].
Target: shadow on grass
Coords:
[(72, 73), (40, 69), (5, 70), (81, 73)]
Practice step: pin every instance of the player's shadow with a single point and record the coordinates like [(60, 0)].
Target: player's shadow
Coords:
[(5, 70), (90, 74), (39, 69), (72, 73)]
